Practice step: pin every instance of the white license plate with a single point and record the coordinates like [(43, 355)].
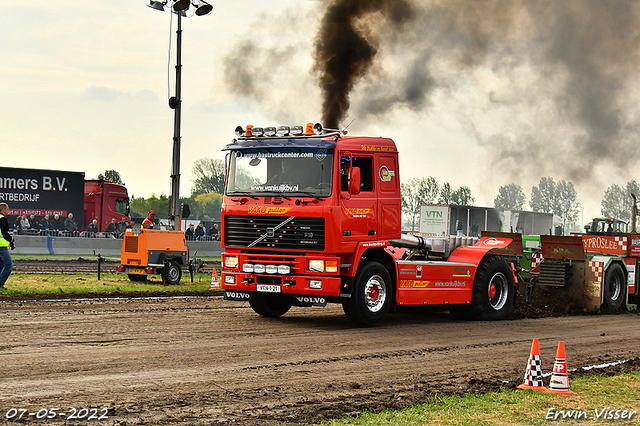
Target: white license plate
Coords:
[(268, 288)]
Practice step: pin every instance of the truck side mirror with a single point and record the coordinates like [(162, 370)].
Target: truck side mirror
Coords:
[(354, 181)]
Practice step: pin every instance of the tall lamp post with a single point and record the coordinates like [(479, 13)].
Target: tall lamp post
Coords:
[(180, 8)]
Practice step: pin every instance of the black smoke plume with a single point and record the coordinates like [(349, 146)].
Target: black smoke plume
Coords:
[(345, 49)]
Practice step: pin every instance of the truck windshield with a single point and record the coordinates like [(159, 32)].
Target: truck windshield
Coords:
[(303, 172)]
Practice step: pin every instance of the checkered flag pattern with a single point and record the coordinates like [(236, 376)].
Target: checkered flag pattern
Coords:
[(533, 373), (536, 260), (597, 268)]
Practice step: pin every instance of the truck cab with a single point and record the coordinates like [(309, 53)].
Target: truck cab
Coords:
[(606, 226), (310, 217)]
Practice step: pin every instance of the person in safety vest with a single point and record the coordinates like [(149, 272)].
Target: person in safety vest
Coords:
[(149, 220), (6, 242)]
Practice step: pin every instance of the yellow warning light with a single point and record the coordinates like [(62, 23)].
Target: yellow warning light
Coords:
[(248, 133)]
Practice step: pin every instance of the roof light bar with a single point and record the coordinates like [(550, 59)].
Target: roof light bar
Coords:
[(310, 129), (283, 131)]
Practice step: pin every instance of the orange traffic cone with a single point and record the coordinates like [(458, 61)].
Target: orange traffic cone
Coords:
[(533, 373), (214, 280), (560, 378)]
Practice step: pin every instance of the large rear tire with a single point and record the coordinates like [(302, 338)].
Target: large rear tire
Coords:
[(615, 287), (493, 290), (270, 305), (372, 296)]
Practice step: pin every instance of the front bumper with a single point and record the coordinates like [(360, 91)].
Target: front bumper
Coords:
[(310, 285)]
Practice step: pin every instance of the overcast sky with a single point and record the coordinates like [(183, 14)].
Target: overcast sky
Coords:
[(480, 94)]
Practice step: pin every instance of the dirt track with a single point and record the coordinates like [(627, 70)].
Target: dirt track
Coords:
[(207, 361)]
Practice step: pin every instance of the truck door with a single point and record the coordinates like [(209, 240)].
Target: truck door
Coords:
[(359, 211), (389, 200)]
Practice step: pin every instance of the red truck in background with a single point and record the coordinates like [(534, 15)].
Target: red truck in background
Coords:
[(41, 192), (104, 200), (312, 216)]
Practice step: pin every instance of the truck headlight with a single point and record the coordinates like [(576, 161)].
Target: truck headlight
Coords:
[(259, 269), (284, 269), (247, 267), (316, 265), (271, 269), (231, 262)]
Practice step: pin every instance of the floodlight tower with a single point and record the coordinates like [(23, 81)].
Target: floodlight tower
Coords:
[(179, 7)]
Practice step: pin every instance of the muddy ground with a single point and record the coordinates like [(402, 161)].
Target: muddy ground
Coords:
[(192, 361)]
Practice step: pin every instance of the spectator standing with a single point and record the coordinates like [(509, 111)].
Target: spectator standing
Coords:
[(24, 225), (189, 234), (35, 226), (45, 225), (70, 225), (92, 228), (6, 241), (16, 224), (149, 221), (56, 224), (214, 232), (111, 228), (120, 228), (200, 231)]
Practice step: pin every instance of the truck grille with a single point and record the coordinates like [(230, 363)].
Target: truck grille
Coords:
[(554, 274), (299, 233)]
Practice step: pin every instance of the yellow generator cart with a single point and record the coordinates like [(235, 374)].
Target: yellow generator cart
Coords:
[(153, 251)]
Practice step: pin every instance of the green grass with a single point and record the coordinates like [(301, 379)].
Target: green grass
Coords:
[(89, 283), (518, 407)]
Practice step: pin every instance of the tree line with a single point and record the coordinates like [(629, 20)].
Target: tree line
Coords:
[(561, 199)]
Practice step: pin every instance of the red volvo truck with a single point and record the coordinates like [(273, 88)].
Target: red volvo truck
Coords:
[(312, 216)]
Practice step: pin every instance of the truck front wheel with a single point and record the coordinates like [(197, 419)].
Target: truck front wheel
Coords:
[(372, 295), (172, 273), (270, 305), (615, 287), (493, 289)]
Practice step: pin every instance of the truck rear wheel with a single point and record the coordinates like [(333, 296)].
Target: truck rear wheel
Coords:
[(371, 299), (493, 290), (270, 305), (172, 273), (615, 287)]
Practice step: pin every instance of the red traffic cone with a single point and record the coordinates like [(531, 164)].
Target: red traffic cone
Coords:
[(533, 373), (214, 280), (560, 378)]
